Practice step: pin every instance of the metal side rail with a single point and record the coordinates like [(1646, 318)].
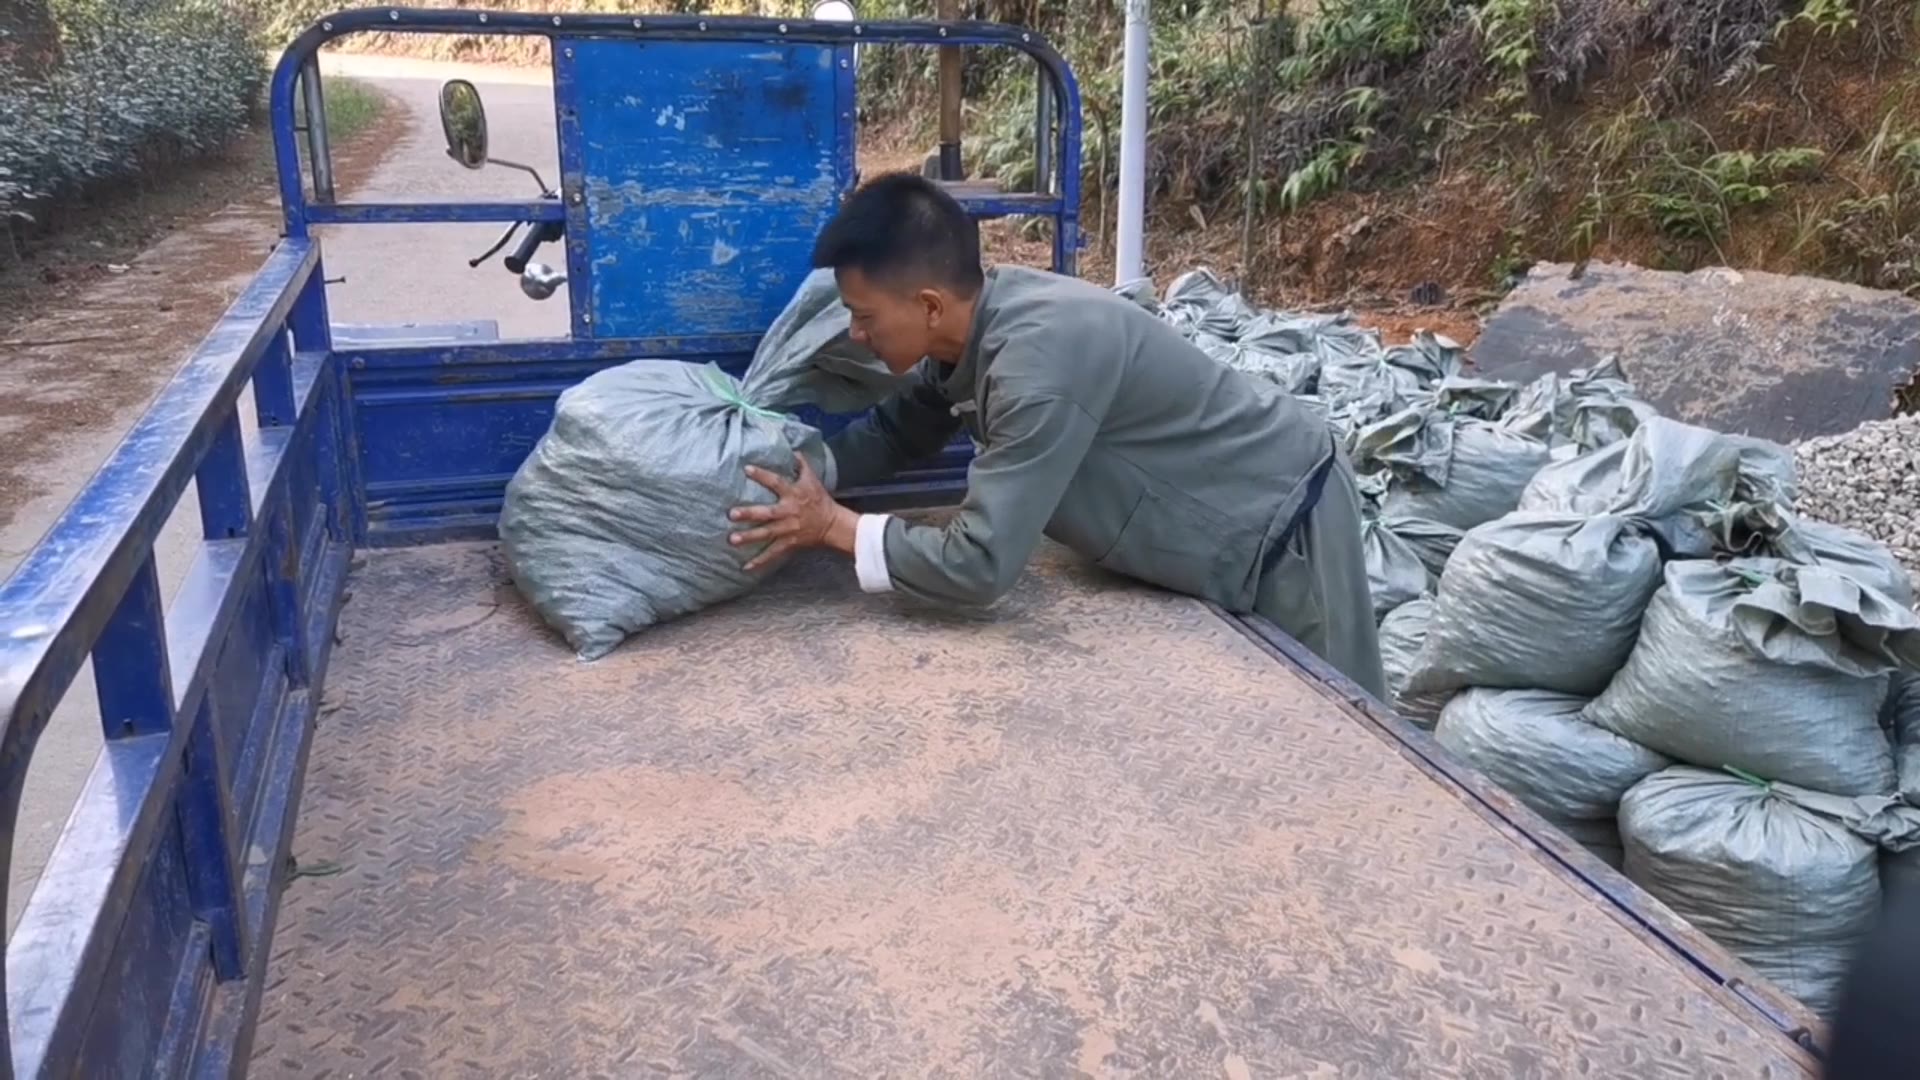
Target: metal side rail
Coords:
[(1791, 1018), (150, 919), (809, 833)]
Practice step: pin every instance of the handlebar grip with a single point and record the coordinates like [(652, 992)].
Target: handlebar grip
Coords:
[(530, 243)]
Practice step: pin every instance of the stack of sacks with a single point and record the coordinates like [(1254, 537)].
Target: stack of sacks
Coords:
[(1778, 674), (1550, 596), (1622, 620)]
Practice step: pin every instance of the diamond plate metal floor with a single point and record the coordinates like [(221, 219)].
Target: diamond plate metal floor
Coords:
[(1095, 832)]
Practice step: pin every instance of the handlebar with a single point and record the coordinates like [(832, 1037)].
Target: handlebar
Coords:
[(530, 243)]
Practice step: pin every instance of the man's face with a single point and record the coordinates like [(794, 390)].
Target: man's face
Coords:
[(897, 324)]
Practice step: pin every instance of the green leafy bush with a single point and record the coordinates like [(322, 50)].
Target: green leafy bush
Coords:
[(140, 84)]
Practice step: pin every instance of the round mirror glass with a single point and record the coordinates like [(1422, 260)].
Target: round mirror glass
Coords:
[(464, 119), (833, 11)]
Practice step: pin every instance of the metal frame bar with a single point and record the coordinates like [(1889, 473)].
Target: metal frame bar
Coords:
[(1044, 122), (1633, 905), (319, 150), (1063, 204)]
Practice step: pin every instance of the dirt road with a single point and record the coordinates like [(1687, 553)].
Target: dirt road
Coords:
[(76, 376)]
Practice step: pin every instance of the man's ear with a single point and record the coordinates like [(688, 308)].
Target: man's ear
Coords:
[(933, 304)]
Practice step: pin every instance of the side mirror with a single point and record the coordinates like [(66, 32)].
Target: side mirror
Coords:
[(832, 11), (464, 120)]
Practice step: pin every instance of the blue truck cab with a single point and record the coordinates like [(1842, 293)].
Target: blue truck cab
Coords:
[(359, 814)]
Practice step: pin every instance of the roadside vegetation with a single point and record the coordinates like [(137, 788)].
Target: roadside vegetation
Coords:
[(1383, 143), (121, 111), (99, 92)]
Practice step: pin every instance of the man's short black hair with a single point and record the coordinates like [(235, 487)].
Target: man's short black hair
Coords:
[(904, 230)]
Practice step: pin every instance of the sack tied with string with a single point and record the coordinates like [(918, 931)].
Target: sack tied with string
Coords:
[(618, 519), (1785, 878), (1768, 666)]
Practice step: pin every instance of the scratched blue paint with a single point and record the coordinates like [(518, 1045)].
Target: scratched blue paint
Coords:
[(566, 118), (709, 169), (226, 501), (130, 661), (207, 832), (120, 1041)]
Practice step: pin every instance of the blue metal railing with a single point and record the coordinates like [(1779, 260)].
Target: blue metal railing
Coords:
[(159, 819)]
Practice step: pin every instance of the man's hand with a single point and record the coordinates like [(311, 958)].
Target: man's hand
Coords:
[(805, 516)]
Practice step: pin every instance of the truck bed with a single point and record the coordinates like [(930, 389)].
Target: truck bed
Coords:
[(1098, 830)]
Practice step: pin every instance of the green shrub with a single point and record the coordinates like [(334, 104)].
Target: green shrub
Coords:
[(140, 84)]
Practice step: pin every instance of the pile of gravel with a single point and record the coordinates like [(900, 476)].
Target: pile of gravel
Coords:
[(1867, 479)]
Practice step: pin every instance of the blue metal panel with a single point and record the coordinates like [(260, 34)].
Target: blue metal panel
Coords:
[(124, 1028), (421, 436), (249, 647), (681, 30), (304, 479), (418, 212), (273, 383), (706, 171), (206, 830), (226, 503), (59, 956), (130, 661)]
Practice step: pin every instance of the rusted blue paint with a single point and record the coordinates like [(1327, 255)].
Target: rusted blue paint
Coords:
[(707, 171)]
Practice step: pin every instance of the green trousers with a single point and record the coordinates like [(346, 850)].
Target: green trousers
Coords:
[(1318, 592)]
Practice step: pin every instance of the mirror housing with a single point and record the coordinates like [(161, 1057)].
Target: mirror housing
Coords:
[(540, 281), (832, 11), (463, 118)]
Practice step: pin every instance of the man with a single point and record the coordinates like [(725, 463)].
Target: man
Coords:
[(1097, 425)]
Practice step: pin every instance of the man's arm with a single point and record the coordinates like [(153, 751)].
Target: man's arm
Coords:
[(910, 426), (1036, 444)]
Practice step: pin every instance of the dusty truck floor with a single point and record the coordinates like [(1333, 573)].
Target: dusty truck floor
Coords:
[(1095, 832)]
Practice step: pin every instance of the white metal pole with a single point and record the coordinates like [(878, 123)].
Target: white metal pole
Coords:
[(1131, 228)]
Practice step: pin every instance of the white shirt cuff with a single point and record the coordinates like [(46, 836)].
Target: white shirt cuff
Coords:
[(870, 553)]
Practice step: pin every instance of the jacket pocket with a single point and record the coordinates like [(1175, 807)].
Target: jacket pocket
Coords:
[(1184, 548)]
